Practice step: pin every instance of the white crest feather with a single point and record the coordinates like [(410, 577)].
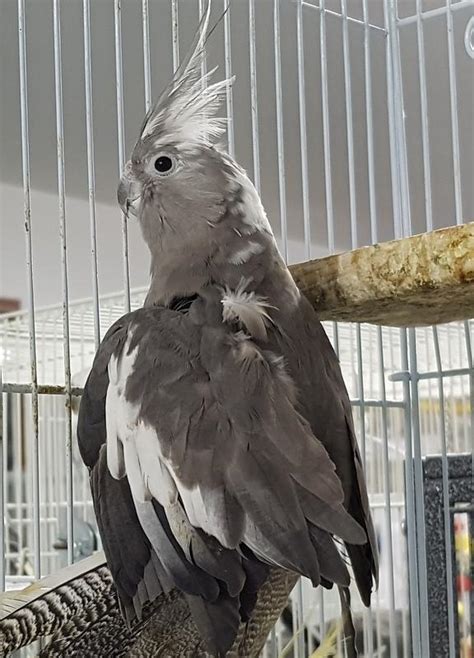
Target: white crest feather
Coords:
[(186, 110), (248, 308)]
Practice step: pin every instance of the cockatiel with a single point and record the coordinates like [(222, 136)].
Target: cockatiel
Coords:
[(215, 421)]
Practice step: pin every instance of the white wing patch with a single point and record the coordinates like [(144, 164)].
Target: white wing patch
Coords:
[(134, 451), (248, 308), (133, 448)]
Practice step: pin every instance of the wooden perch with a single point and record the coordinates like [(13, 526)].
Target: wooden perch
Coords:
[(423, 280)]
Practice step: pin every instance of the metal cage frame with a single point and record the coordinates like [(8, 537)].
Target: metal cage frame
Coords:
[(408, 376)]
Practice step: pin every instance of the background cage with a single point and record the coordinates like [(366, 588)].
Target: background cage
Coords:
[(355, 121)]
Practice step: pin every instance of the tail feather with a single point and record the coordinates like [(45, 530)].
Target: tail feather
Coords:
[(348, 623)]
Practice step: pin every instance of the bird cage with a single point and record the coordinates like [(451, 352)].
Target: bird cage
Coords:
[(353, 118)]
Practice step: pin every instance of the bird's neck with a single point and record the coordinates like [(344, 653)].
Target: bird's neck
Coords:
[(171, 280), (239, 246), (255, 259)]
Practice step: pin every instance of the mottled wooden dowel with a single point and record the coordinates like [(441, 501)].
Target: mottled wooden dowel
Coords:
[(422, 280)]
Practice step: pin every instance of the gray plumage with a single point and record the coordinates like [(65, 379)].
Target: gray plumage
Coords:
[(215, 421)]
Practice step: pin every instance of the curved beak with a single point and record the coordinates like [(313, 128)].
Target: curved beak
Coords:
[(129, 192)]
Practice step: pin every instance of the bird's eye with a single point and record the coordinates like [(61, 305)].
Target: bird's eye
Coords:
[(164, 164)]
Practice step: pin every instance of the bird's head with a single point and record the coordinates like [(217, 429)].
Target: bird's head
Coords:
[(192, 200)]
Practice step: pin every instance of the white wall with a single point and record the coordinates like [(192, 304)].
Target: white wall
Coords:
[(47, 251)]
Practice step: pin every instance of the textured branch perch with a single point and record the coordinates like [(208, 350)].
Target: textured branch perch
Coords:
[(422, 280), (76, 608)]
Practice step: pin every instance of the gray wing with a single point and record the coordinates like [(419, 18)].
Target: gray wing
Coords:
[(344, 451), (324, 401), (141, 573), (209, 460), (122, 536)]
